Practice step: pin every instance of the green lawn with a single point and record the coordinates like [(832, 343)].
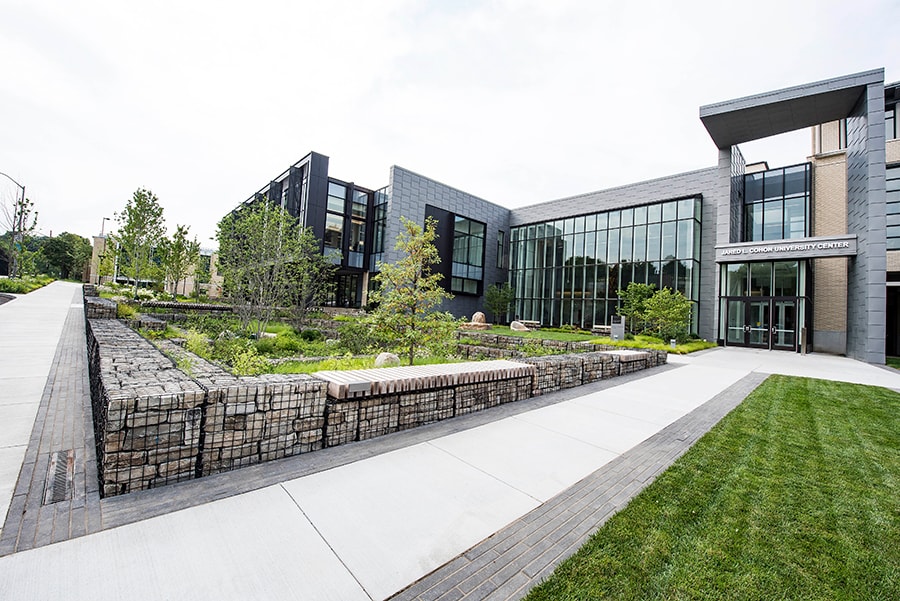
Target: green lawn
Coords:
[(794, 495), (893, 362)]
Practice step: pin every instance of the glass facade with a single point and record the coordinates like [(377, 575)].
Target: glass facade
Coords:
[(468, 256), (777, 204), (569, 271), (892, 197)]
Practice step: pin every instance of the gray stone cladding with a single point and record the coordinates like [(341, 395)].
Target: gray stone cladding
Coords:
[(709, 183), (409, 192)]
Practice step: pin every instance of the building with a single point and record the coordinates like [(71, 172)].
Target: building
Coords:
[(794, 257)]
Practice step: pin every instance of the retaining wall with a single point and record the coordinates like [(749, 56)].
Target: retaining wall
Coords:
[(163, 418)]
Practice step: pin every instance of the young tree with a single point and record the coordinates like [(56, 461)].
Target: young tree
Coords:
[(268, 261), (19, 219), (634, 303), (141, 229), (497, 299), (668, 313), (310, 275), (407, 293), (178, 255)]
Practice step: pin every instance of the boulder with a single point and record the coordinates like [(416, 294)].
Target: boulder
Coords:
[(387, 360), (518, 326), (478, 318)]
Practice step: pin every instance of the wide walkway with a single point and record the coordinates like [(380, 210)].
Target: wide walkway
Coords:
[(477, 508)]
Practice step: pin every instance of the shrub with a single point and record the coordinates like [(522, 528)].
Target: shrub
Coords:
[(288, 342), (246, 362), (198, 344), (358, 336), (266, 346), (125, 311), (312, 335)]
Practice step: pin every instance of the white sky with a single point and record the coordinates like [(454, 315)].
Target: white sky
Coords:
[(517, 102)]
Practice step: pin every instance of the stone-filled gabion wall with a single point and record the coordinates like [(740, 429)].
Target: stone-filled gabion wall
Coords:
[(147, 413), (162, 418), (156, 425), (350, 420)]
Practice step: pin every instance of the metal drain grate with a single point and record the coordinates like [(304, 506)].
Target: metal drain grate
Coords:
[(60, 474)]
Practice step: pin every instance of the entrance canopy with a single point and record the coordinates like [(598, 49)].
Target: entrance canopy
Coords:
[(763, 115)]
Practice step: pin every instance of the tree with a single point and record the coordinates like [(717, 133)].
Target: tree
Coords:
[(668, 314), (311, 275), (268, 261), (407, 293), (19, 219), (66, 255), (498, 298), (634, 303), (141, 229), (178, 255)]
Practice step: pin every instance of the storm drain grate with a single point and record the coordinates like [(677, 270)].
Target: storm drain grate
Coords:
[(60, 474)]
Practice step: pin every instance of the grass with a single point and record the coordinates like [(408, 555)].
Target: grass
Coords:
[(543, 334), (23, 285), (649, 342), (893, 362), (794, 495)]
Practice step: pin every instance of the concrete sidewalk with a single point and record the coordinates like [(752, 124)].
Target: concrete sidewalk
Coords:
[(30, 329), (479, 512)]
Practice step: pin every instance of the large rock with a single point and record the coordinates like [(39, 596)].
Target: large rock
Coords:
[(478, 317), (387, 360), (518, 326)]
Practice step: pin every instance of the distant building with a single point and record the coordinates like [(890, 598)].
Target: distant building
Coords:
[(784, 258)]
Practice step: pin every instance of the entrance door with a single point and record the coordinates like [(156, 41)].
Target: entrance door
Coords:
[(769, 323), (757, 320), (784, 328)]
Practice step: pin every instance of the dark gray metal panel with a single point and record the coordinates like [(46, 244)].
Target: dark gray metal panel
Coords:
[(763, 115)]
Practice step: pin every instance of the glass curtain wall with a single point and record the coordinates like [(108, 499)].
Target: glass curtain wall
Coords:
[(776, 204), (569, 271), (468, 256)]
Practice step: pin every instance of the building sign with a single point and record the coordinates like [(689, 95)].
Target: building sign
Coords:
[(807, 248)]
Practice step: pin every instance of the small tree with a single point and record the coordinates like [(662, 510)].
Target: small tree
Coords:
[(668, 314), (19, 219), (310, 274), (497, 299), (178, 255), (141, 229), (634, 303), (407, 293), (269, 261)]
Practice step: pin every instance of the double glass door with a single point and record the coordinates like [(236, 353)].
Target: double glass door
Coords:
[(769, 323)]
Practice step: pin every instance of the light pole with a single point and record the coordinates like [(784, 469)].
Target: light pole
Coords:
[(17, 216)]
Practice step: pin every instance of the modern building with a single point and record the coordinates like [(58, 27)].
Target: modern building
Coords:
[(796, 257)]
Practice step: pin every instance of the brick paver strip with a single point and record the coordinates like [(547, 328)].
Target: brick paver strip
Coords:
[(518, 557), (63, 423)]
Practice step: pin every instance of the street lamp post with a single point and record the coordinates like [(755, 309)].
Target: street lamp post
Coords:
[(17, 217)]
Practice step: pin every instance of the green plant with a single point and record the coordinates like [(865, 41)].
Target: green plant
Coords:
[(312, 335), (197, 343), (497, 299), (668, 314), (125, 311), (358, 336), (247, 362)]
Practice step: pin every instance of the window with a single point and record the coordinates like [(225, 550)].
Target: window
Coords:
[(501, 249), (468, 255), (776, 204), (892, 196), (890, 123), (571, 275)]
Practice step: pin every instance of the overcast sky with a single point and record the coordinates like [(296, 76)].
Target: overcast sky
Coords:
[(516, 102)]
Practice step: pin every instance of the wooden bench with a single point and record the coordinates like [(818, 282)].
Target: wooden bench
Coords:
[(357, 383), (602, 330)]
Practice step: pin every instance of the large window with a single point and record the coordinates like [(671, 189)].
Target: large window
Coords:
[(890, 122), (569, 271), (892, 196), (468, 256), (334, 221), (776, 204)]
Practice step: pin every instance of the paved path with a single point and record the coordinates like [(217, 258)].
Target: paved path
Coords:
[(463, 509), (30, 331)]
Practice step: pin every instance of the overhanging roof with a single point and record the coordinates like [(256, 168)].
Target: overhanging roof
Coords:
[(763, 115)]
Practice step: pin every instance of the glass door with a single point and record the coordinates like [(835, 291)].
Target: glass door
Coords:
[(784, 327), (758, 312), (735, 323)]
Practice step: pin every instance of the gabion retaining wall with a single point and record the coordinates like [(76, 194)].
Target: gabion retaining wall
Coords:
[(163, 418)]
